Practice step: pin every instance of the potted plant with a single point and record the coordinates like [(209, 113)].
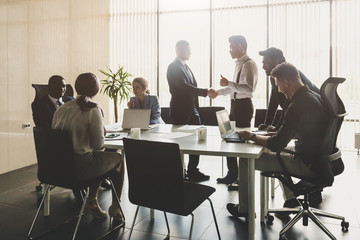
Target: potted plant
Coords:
[(116, 86)]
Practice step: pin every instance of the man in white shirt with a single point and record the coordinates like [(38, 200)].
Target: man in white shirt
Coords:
[(241, 90)]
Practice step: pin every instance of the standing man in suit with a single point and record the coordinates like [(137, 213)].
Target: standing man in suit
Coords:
[(241, 90), (184, 100), (44, 108)]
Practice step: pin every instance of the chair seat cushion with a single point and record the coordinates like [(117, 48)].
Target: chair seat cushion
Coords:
[(181, 203)]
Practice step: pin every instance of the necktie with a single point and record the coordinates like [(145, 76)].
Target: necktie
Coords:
[(58, 103), (188, 70)]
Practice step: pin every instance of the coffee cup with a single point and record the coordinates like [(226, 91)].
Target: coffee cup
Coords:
[(202, 133), (135, 133)]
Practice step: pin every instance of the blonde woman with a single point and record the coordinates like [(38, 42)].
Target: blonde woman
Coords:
[(143, 100)]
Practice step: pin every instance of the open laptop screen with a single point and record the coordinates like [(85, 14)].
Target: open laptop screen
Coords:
[(136, 118), (223, 121)]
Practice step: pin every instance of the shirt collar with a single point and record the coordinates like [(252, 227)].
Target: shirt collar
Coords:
[(241, 59), (299, 92), (54, 100), (182, 61)]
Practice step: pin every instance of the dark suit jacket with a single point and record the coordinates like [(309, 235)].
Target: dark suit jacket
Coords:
[(184, 94), (43, 110), (277, 98)]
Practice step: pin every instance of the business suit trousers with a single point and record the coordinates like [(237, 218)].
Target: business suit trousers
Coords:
[(241, 112), (193, 120)]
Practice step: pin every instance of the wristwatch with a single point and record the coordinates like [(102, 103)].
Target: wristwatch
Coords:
[(251, 135)]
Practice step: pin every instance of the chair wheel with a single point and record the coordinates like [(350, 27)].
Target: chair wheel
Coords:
[(269, 219), (344, 226), (283, 237)]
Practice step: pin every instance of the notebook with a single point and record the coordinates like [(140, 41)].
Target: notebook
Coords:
[(226, 132), (136, 118)]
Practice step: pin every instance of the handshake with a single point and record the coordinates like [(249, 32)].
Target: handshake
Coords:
[(212, 93)]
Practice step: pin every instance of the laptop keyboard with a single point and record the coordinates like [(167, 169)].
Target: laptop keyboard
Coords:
[(232, 135)]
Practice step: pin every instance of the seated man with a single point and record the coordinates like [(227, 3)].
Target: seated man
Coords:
[(44, 108), (306, 118)]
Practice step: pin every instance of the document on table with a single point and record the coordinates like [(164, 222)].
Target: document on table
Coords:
[(172, 135), (186, 128)]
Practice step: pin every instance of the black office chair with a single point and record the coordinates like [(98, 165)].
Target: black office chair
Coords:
[(165, 115), (43, 90), (260, 117), (156, 180), (55, 154), (332, 157), (208, 115)]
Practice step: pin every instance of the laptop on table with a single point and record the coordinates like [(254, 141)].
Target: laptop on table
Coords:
[(226, 132), (136, 118)]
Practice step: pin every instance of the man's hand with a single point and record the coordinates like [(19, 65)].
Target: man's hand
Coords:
[(223, 81), (262, 127), (131, 104), (212, 93), (271, 129), (244, 134)]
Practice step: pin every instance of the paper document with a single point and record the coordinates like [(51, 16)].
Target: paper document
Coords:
[(186, 128)]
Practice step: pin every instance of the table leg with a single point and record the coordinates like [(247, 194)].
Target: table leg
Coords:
[(152, 214), (251, 197), (47, 203), (272, 187), (264, 198)]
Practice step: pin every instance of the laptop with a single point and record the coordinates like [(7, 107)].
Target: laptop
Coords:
[(136, 118), (226, 132)]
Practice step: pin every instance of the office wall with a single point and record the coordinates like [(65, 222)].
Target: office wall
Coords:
[(40, 38)]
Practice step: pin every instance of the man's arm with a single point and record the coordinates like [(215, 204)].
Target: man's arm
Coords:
[(307, 82)]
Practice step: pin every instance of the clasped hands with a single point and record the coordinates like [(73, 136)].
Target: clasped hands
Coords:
[(212, 93)]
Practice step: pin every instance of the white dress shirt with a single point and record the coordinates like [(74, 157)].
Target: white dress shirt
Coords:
[(54, 101), (86, 127), (247, 80)]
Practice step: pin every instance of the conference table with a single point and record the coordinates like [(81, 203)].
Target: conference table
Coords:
[(186, 137)]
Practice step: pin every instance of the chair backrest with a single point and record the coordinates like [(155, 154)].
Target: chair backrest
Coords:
[(208, 115), (165, 115), (336, 108), (260, 117), (155, 170), (55, 155), (43, 90)]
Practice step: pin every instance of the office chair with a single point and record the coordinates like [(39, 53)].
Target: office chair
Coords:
[(156, 180), (331, 156), (165, 115), (43, 90), (55, 167), (208, 115)]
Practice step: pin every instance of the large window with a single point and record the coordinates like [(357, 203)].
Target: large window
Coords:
[(320, 37)]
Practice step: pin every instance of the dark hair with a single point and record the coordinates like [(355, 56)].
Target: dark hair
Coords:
[(274, 54), (87, 85), (238, 39), (181, 44), (55, 79), (143, 82), (286, 71)]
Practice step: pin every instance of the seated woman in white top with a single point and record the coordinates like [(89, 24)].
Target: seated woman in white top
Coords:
[(143, 100), (84, 119)]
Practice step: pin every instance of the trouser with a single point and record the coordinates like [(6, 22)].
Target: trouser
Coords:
[(194, 120), (268, 162), (241, 112)]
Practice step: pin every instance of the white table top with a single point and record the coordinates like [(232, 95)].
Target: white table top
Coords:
[(189, 143)]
